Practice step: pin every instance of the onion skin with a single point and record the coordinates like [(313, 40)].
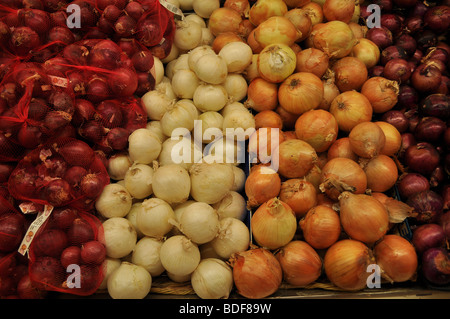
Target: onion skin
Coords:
[(436, 266), (261, 185), (256, 273), (412, 183), (321, 227), (428, 236), (299, 194), (397, 258), (296, 158), (351, 108), (422, 158)]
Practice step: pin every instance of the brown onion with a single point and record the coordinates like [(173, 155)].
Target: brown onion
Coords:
[(318, 128), (224, 20), (301, 20), (341, 148), (276, 30), (300, 92), (330, 90), (262, 95), (262, 184), (350, 73), (339, 10), (268, 119), (393, 139), (367, 139), (381, 93), (262, 10), (256, 273), (300, 263), (299, 194), (381, 172), (397, 258), (288, 118), (295, 158), (262, 142), (351, 108), (224, 38), (363, 217), (312, 60), (342, 174), (273, 224), (335, 38), (367, 51), (321, 227), (346, 262)]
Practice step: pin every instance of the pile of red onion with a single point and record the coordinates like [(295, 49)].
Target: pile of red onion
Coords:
[(415, 53)]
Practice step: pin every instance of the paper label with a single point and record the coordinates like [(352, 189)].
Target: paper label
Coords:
[(59, 81), (175, 10), (34, 228)]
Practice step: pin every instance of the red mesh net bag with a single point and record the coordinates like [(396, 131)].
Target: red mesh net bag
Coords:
[(63, 172), (66, 252)]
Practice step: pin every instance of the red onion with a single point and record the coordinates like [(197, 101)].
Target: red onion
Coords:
[(128, 46), (55, 120), (37, 20), (428, 205), (58, 18), (29, 136), (426, 39), (58, 192), (382, 37), (148, 32), (414, 24), (438, 18), (11, 231), (93, 252), (437, 176), (23, 40), (392, 22), (23, 182), (7, 286), (84, 111), (102, 4), (50, 242), (142, 61), (111, 13), (376, 70), (430, 129), (92, 131), (77, 153), (392, 52), (447, 137), (426, 77), (124, 82), (397, 70), (428, 236), (91, 186), (74, 175), (80, 232), (437, 53), (70, 255), (405, 3), (63, 217), (412, 183), (125, 26), (62, 101), (105, 26), (406, 42), (436, 105), (436, 266), (419, 9), (397, 119), (444, 221), (118, 138), (46, 272), (385, 5), (422, 158), (105, 54), (134, 9), (76, 53), (109, 113), (37, 109), (60, 34), (5, 171), (27, 290), (32, 4)]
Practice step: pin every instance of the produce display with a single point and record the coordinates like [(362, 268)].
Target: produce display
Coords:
[(234, 147)]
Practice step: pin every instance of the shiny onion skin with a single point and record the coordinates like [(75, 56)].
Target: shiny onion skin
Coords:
[(256, 273), (351, 108), (321, 227), (346, 262), (363, 217)]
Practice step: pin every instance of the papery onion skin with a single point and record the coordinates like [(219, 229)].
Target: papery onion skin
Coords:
[(312, 60), (381, 93), (334, 38), (321, 227), (381, 172), (393, 139), (295, 158), (262, 184), (341, 148), (351, 108), (350, 73), (428, 236), (396, 257), (363, 217), (299, 194), (346, 262), (367, 139), (276, 62), (300, 263), (256, 273), (435, 266)]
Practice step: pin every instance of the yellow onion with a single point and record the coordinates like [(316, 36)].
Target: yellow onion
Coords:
[(268, 119), (224, 38), (321, 227), (318, 128), (300, 263), (288, 119), (351, 108), (273, 224), (276, 62), (342, 174), (296, 3), (262, 10), (363, 217), (314, 11), (341, 10), (276, 30), (262, 95), (300, 92), (393, 137), (381, 93), (256, 273), (224, 20), (367, 139), (312, 60), (358, 30), (301, 21), (262, 142), (335, 38), (381, 172), (241, 6), (299, 194), (345, 264), (295, 158), (367, 51), (350, 73), (330, 90), (262, 184), (397, 258), (341, 148)]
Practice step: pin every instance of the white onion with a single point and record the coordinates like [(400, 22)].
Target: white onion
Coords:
[(211, 68), (173, 54), (172, 183), (236, 120), (204, 8), (207, 251), (239, 179), (169, 69), (132, 217), (108, 266), (188, 34), (213, 122), (120, 237), (146, 254), (181, 115), (196, 18), (212, 279), (165, 86), (186, 5), (232, 205), (232, 108), (207, 36), (138, 180), (155, 127), (180, 208), (252, 72), (179, 255), (210, 182), (236, 86), (156, 103), (179, 278), (197, 53), (182, 63), (238, 56), (159, 70), (179, 151), (226, 149), (114, 201), (233, 237), (154, 217), (144, 146), (199, 222), (184, 83), (129, 281), (210, 97), (118, 165)]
